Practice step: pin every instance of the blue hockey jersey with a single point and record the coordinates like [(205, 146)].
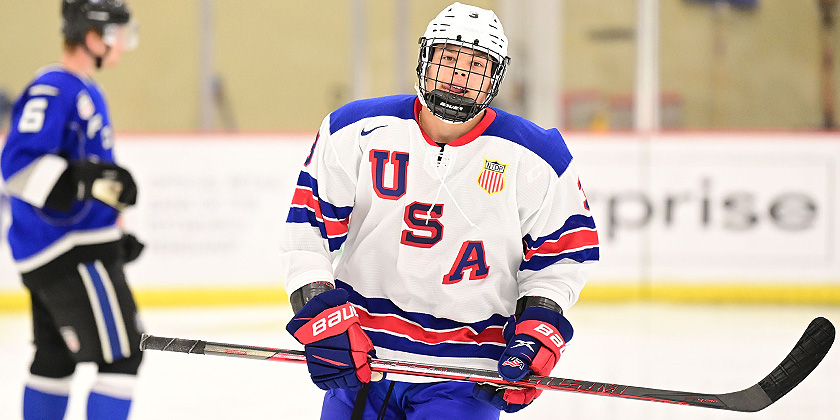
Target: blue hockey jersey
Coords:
[(60, 117)]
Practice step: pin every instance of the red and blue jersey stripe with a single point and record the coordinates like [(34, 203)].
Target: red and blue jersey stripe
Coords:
[(308, 207), (577, 240), (392, 328)]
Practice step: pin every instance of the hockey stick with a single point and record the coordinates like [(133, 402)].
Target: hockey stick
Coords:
[(799, 363)]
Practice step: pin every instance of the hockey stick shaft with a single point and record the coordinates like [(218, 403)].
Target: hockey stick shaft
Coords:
[(804, 358)]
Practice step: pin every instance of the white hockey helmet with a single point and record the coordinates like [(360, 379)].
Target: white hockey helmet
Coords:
[(463, 26)]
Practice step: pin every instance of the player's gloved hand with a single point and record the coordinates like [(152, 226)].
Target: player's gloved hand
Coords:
[(106, 182), (336, 347), (130, 247), (535, 341)]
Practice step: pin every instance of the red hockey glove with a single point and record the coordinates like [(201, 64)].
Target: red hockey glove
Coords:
[(336, 348), (535, 342)]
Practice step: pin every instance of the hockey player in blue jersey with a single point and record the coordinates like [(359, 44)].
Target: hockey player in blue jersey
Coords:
[(465, 233), (66, 196)]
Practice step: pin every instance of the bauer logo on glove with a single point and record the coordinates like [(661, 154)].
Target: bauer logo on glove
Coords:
[(338, 321), (337, 349), (546, 330)]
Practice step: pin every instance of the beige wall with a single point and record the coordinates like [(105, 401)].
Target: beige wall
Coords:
[(285, 64), (155, 86), (736, 69), (764, 71)]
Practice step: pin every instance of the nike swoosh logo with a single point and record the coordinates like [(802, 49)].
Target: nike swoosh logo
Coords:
[(366, 132)]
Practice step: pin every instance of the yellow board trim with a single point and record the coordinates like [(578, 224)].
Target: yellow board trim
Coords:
[(13, 301), (800, 294), (169, 297), (211, 297)]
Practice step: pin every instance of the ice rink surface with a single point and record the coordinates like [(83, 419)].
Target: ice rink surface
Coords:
[(696, 348)]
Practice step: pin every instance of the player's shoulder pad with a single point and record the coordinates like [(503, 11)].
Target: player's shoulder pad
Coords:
[(400, 106), (547, 144), (73, 91), (54, 81)]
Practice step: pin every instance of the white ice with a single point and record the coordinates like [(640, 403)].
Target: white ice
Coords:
[(698, 348)]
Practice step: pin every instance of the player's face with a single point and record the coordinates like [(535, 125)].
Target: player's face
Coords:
[(459, 70), (115, 39), (120, 38), (114, 55), (97, 45)]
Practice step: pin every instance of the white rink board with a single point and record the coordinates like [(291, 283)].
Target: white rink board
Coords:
[(714, 207), (692, 207)]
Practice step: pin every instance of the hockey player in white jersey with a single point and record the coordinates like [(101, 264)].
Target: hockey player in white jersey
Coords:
[(465, 233)]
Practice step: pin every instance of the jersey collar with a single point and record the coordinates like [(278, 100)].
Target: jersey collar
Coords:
[(486, 120)]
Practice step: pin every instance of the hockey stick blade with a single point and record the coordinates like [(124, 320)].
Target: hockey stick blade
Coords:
[(799, 363)]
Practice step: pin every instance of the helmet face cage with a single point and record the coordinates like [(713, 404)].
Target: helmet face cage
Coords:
[(463, 59), (458, 80), (127, 33)]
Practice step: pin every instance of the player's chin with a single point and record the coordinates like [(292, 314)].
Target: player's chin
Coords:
[(110, 63), (111, 60)]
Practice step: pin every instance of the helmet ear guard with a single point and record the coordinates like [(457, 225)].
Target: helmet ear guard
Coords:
[(470, 30)]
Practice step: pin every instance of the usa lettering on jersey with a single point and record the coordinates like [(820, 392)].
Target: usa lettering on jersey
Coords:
[(438, 241)]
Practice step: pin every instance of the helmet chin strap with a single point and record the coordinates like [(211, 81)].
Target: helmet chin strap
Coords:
[(97, 58)]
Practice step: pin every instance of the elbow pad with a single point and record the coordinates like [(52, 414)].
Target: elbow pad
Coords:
[(301, 296), (538, 301)]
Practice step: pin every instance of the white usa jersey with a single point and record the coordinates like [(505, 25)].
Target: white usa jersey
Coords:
[(439, 242)]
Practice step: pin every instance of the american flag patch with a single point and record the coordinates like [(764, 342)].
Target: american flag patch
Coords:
[(513, 362), (492, 176)]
